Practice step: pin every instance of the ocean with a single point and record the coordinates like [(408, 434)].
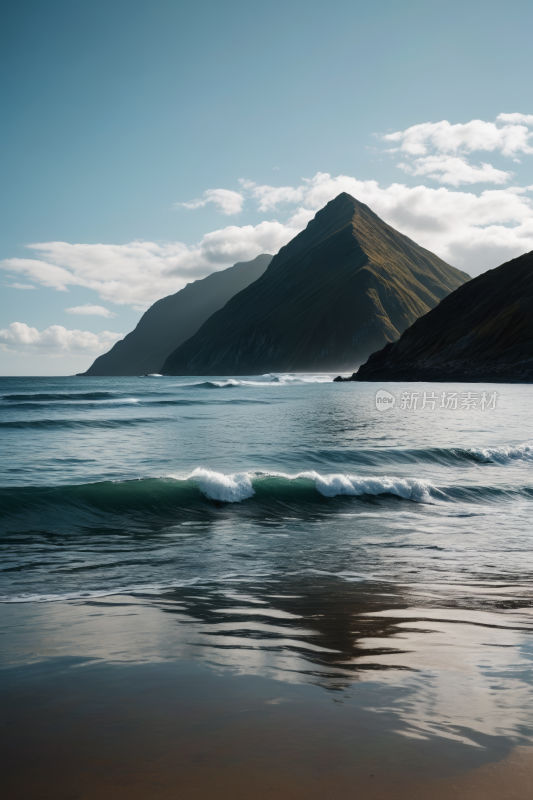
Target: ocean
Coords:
[(280, 531)]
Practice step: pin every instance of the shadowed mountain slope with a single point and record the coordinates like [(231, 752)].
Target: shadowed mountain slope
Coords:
[(343, 287), (173, 319), (481, 332)]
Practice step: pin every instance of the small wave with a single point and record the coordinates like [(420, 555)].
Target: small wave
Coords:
[(390, 456), (68, 404), (92, 594)]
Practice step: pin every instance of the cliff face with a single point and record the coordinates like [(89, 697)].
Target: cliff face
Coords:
[(345, 286), (173, 319), (481, 332)]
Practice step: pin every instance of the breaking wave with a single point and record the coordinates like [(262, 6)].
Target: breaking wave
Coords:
[(205, 490), (505, 455)]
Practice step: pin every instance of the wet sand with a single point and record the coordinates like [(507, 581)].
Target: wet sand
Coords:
[(77, 730), (110, 699)]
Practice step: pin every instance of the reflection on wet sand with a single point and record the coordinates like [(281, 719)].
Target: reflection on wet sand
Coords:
[(462, 672), (82, 729)]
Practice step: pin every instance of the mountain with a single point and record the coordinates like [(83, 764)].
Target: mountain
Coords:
[(342, 288), (481, 332), (173, 319)]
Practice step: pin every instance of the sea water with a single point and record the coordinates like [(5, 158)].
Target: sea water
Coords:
[(281, 525)]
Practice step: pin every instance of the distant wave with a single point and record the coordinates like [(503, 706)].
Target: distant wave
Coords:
[(301, 378), (230, 383), (96, 404), (268, 380), (68, 404), (48, 397)]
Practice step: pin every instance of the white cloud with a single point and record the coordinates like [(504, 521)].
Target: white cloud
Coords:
[(438, 149), (89, 309), (21, 286), (271, 196), (56, 340), (192, 205), (455, 170), (516, 119), (509, 139), (139, 273), (227, 201)]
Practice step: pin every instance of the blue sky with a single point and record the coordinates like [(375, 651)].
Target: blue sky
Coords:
[(115, 114)]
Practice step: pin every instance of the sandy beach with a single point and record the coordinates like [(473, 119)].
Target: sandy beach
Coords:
[(121, 716)]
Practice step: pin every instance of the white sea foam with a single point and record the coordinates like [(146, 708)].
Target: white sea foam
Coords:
[(504, 455), (224, 384), (234, 488), (226, 488), (341, 484), (119, 401)]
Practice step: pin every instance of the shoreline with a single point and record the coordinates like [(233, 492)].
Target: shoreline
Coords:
[(125, 700)]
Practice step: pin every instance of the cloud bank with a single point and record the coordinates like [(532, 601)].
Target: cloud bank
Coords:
[(139, 273), (472, 231), (56, 340)]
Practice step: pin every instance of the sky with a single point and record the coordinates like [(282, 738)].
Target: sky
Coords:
[(148, 143)]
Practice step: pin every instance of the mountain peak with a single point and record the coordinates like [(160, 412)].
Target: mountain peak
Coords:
[(344, 285), (348, 202), (338, 213), (343, 207)]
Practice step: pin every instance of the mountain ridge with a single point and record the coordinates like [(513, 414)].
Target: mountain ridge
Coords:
[(175, 318), (483, 331)]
